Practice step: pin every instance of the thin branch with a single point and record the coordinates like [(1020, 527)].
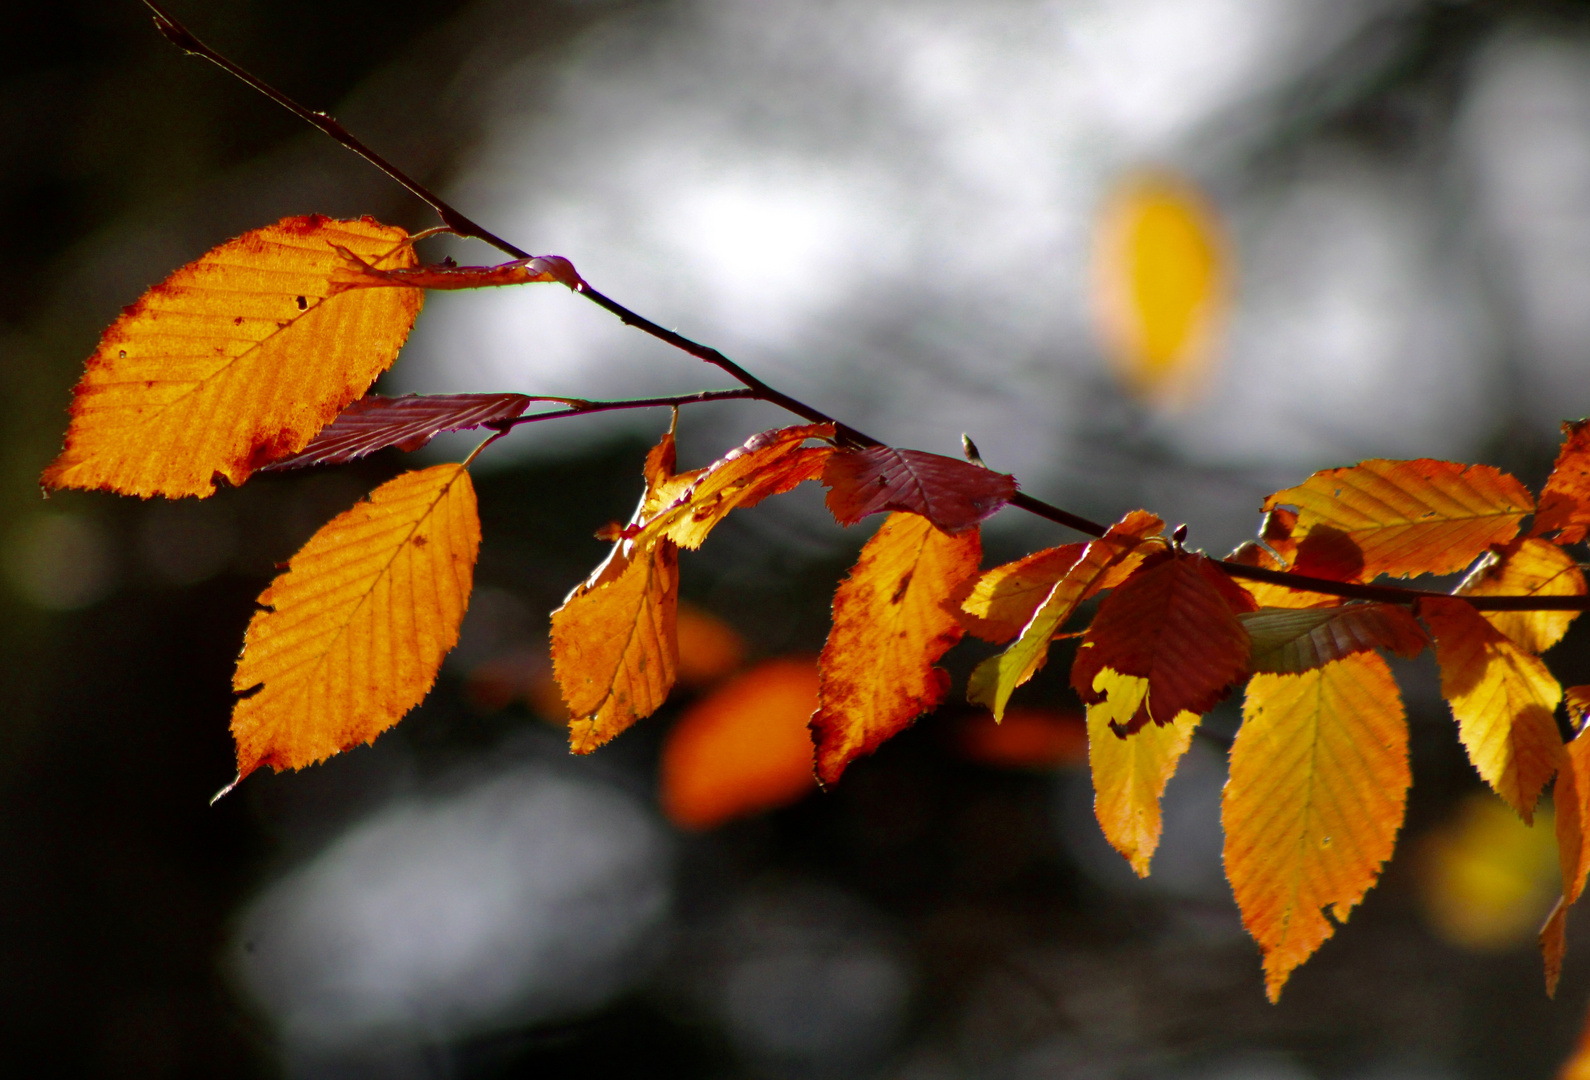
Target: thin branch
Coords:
[(755, 388), (580, 407)]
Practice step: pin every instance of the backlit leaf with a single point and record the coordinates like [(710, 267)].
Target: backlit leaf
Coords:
[(1319, 778), (235, 360), (894, 616), (1174, 623), (1571, 806), (1290, 640), (1405, 517), (1005, 597), (1161, 272), (374, 423), (1527, 567), (954, 495), (1264, 593), (1554, 944), (995, 679), (354, 631), (1503, 698), (1130, 771), (743, 749), (356, 273), (1565, 500), (768, 464)]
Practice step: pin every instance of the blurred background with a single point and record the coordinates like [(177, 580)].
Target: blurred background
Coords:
[(1164, 253)]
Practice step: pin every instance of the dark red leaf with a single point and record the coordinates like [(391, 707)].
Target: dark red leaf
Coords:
[(374, 422), (954, 495)]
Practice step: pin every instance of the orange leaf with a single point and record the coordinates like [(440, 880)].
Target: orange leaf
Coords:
[(234, 361), (954, 495), (355, 630), (1527, 567), (743, 749), (1405, 517), (1319, 778), (1173, 623), (1577, 1067), (1290, 640), (1554, 944), (768, 464), (1503, 699), (1571, 805), (1130, 771), (1577, 699), (709, 648), (1005, 598), (1266, 595), (893, 618), (1565, 500), (995, 679), (1026, 739)]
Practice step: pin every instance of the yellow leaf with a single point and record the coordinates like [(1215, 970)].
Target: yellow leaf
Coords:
[(995, 679), (1130, 772), (235, 360), (1161, 272), (615, 647), (894, 616), (1487, 879), (1319, 778), (1004, 598), (1527, 567), (1503, 699), (1404, 517), (355, 630)]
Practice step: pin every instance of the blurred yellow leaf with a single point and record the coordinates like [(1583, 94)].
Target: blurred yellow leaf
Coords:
[(1162, 282), (1488, 879)]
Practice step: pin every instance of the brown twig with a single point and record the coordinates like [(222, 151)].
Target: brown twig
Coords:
[(755, 388), (579, 407)]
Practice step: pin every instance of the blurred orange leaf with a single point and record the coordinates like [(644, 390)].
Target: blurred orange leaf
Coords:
[(1503, 699), (709, 648), (1025, 739), (893, 618), (1565, 500), (995, 679), (743, 749), (1174, 622), (235, 360), (354, 632), (1527, 567), (1319, 777), (1290, 640), (1130, 771), (1405, 517)]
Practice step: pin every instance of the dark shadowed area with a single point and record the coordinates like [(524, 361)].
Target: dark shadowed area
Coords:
[(888, 208)]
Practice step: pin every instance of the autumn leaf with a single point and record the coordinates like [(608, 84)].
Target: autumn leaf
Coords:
[(1174, 622), (1276, 535), (1038, 739), (354, 631), (1503, 699), (893, 618), (1553, 940), (1571, 817), (709, 648), (356, 273), (768, 464), (1291, 640), (1577, 1067), (1319, 778), (374, 423), (995, 679), (1565, 500), (1162, 280), (1130, 771), (1407, 517), (954, 495), (743, 749), (1005, 598), (1527, 567), (235, 360)]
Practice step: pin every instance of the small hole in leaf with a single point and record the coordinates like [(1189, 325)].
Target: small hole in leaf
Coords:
[(122, 355)]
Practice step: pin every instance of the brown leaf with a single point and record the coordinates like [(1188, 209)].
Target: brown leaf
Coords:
[(953, 494), (1291, 640), (1404, 517), (1565, 500), (893, 618), (1174, 623), (354, 631), (356, 273), (235, 360), (374, 423)]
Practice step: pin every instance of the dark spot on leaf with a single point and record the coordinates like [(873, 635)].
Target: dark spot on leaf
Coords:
[(303, 304), (899, 590), (251, 691), (420, 541), (238, 321), (122, 355)]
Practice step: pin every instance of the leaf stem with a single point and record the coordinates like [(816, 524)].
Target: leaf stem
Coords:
[(754, 387), (578, 407)]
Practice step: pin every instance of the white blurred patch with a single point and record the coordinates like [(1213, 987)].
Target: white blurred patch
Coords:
[(882, 207), (1527, 135), (59, 561), (527, 897)]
